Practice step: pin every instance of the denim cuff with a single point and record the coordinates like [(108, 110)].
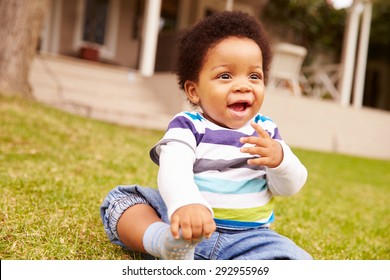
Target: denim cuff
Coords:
[(117, 208)]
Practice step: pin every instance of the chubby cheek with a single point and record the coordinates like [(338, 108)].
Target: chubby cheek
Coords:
[(260, 102), (214, 101), (260, 96), (215, 110)]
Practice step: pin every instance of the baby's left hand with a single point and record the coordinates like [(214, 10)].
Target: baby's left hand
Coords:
[(269, 150)]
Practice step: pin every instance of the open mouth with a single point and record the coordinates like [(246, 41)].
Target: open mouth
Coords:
[(239, 106)]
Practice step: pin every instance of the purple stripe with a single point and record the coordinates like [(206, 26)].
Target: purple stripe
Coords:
[(231, 137), (277, 134), (183, 122), (223, 137)]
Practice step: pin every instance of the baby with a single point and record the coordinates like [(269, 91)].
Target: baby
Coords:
[(220, 168)]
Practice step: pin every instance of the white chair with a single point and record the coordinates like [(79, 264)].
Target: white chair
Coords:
[(286, 67), (321, 80)]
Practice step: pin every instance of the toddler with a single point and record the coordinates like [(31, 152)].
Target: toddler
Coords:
[(219, 168)]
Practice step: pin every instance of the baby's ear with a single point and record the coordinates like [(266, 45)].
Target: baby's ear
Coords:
[(191, 90)]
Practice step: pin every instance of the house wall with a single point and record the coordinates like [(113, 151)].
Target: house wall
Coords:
[(186, 15), (129, 35), (129, 28), (68, 26), (166, 51), (191, 11)]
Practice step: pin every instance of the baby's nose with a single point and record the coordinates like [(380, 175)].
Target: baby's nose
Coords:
[(242, 86)]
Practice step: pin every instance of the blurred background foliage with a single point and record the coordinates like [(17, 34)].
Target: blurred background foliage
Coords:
[(315, 24)]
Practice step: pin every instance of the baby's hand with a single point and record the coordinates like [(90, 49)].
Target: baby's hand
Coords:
[(195, 222), (269, 150)]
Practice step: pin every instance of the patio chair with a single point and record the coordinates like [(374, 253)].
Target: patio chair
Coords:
[(321, 81), (286, 67)]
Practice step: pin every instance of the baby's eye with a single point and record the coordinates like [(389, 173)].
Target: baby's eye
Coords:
[(255, 76), (224, 76)]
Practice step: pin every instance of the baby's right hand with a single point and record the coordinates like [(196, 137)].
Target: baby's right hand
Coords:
[(195, 222)]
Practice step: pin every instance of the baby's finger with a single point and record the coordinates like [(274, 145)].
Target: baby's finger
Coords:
[(260, 130), (197, 227), (186, 230), (175, 224), (209, 228), (249, 139), (254, 150), (258, 161)]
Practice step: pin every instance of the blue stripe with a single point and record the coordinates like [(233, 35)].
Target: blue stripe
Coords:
[(223, 186), (242, 225), (262, 118), (194, 116)]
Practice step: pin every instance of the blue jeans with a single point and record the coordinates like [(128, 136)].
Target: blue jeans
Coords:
[(225, 244)]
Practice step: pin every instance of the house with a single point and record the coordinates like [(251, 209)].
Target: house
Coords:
[(140, 35), (136, 34)]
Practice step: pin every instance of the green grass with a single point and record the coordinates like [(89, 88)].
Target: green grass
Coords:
[(56, 168)]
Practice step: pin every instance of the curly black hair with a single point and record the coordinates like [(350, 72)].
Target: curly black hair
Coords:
[(194, 43)]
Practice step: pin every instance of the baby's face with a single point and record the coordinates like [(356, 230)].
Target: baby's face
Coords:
[(230, 88)]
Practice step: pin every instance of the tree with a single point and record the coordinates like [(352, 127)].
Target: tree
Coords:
[(20, 27), (316, 25), (312, 23)]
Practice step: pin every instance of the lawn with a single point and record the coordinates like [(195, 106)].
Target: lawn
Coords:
[(56, 168)]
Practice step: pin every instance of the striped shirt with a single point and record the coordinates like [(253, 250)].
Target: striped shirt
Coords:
[(238, 193)]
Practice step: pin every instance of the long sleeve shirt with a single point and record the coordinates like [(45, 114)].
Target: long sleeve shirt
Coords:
[(201, 163)]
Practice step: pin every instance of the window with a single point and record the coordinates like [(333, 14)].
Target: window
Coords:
[(97, 25), (95, 21)]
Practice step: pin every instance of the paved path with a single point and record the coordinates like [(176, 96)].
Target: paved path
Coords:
[(116, 95)]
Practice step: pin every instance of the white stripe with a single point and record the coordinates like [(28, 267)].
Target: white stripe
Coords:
[(246, 129), (234, 174), (184, 135), (237, 201), (216, 151)]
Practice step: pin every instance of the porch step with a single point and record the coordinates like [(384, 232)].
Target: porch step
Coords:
[(97, 90)]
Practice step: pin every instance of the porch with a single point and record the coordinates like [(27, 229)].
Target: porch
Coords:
[(124, 97)]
